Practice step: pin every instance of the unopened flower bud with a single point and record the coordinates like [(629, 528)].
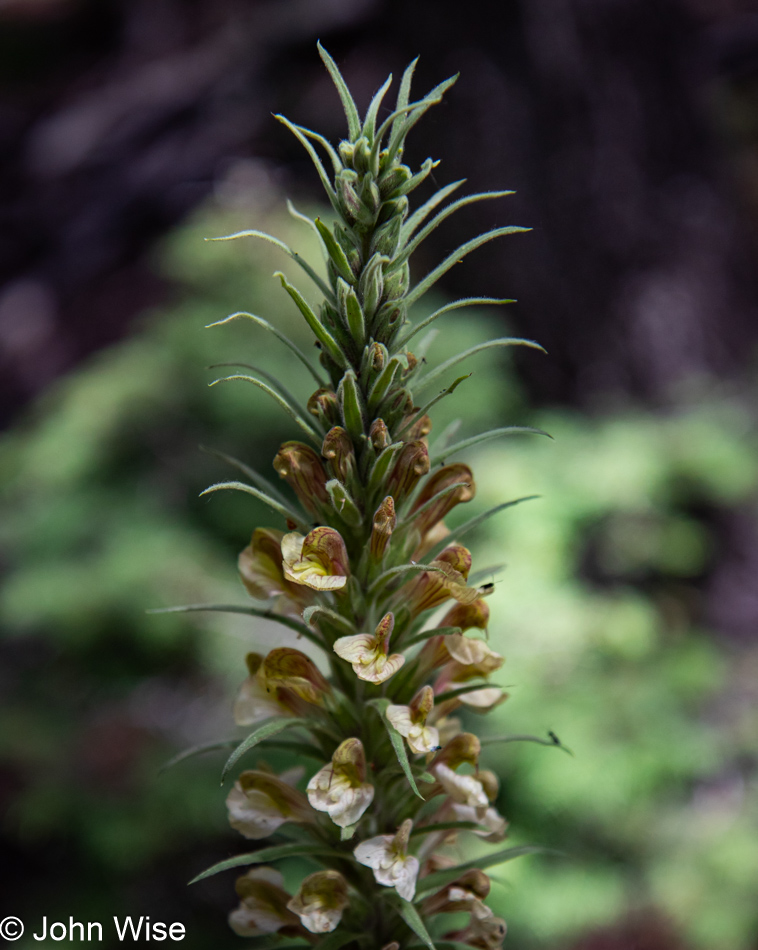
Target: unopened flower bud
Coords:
[(440, 495), (379, 435), (420, 428), (339, 453), (412, 463), (464, 747), (467, 616), (301, 467), (433, 588), (324, 406), (385, 521), (290, 669)]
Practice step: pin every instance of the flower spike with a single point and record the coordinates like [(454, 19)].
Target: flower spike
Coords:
[(365, 557)]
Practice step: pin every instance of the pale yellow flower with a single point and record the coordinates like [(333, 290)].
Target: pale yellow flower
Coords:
[(387, 856), (263, 905), (368, 652), (260, 803), (410, 722), (320, 901), (339, 788), (318, 560)]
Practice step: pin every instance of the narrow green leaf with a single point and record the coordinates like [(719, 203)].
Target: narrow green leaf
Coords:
[(314, 156), (419, 109), (369, 124), (310, 614), (343, 503), (404, 93), (335, 252), (356, 322), (269, 728), (319, 330), (442, 215), (337, 939), (403, 569), (456, 305), (195, 750), (432, 402), (477, 520), (266, 613), (326, 145), (397, 743), (427, 634), (279, 335), (351, 405), (287, 513), (485, 437), (446, 826), (260, 480), (324, 288), (439, 879), (421, 288), (285, 393), (461, 691), (453, 361), (280, 400), (421, 214), (412, 917), (554, 743), (351, 112), (274, 853)]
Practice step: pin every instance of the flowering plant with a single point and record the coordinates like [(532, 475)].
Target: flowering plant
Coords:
[(368, 573)]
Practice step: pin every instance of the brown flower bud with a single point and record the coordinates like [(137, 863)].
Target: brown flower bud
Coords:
[(467, 616), (420, 428), (385, 522), (439, 495), (338, 451), (412, 464), (379, 435), (303, 471), (462, 748), (324, 406)]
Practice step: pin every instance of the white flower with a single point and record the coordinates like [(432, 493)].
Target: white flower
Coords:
[(320, 901), (368, 652), (318, 560), (339, 788), (410, 721), (494, 825), (263, 907), (463, 789), (260, 803), (387, 856)]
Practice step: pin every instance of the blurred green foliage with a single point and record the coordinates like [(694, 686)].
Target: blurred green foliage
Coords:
[(598, 609)]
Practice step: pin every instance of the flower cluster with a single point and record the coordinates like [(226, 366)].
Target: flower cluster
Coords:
[(368, 573)]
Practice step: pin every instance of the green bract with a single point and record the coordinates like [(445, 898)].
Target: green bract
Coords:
[(367, 571)]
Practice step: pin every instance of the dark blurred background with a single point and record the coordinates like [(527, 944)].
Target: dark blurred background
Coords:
[(629, 131)]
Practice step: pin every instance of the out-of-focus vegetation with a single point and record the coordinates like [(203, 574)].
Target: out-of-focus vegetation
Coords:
[(598, 612)]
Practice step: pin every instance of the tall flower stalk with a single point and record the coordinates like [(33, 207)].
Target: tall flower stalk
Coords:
[(367, 572)]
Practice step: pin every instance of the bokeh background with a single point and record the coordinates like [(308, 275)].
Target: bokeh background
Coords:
[(627, 594)]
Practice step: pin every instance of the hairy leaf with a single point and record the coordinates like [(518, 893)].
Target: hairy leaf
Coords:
[(351, 112), (287, 513), (439, 879), (431, 278), (453, 361), (269, 728), (278, 334), (485, 437), (456, 305), (274, 853), (397, 743)]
